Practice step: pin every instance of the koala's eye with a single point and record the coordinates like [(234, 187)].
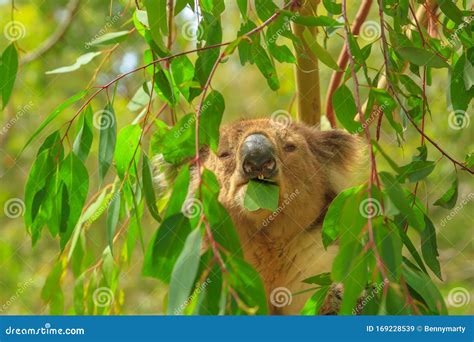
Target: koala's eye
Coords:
[(224, 155), (289, 147)]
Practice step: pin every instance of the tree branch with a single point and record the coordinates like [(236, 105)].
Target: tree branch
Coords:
[(71, 9), (307, 72), (343, 59)]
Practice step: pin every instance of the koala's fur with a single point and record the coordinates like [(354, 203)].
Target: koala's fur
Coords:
[(286, 248)]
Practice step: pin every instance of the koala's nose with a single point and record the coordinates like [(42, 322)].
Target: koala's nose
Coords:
[(258, 157)]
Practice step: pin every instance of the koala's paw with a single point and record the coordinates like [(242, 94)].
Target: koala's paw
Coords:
[(333, 300)]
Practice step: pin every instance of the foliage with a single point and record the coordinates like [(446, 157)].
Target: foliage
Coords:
[(371, 222)]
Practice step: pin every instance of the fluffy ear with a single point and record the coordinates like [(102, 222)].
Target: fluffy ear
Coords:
[(339, 152)]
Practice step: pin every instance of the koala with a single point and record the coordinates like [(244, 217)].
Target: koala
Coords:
[(310, 167)]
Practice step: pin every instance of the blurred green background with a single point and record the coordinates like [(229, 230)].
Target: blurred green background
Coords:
[(23, 269)]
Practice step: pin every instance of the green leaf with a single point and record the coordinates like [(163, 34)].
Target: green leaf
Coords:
[(261, 195), (396, 194), (80, 61), (8, 71), (387, 104), (74, 176), (346, 202), (210, 301), (54, 114), (422, 57), (449, 8), (424, 287), (127, 149), (460, 95), (319, 52), (389, 246), (221, 224), (314, 303), (167, 242), (184, 273), (345, 108), (319, 20), (429, 247), (182, 70), (113, 214), (450, 197), (320, 279), (52, 283), (211, 117), (165, 247), (148, 189), (179, 142), (163, 87), (110, 38), (248, 284), (35, 192), (265, 66), (83, 141), (332, 7), (107, 139), (416, 170), (281, 53)]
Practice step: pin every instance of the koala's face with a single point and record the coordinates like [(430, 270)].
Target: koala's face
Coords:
[(299, 159)]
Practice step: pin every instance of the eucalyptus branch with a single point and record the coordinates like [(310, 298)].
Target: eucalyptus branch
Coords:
[(373, 168), (342, 61)]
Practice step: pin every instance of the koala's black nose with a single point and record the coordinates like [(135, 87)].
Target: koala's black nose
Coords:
[(258, 157)]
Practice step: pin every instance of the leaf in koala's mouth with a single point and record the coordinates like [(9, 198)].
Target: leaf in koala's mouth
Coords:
[(261, 195)]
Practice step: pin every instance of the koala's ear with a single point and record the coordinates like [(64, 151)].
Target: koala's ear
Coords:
[(339, 153)]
